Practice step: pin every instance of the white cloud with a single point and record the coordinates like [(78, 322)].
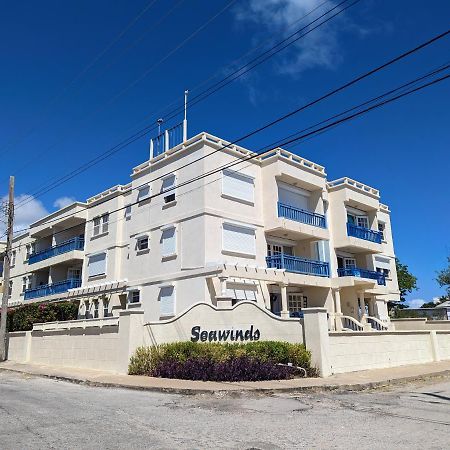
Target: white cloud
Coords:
[(28, 209), (319, 48), (62, 202), (415, 303)]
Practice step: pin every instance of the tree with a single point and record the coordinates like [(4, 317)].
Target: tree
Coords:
[(407, 283), (443, 277)]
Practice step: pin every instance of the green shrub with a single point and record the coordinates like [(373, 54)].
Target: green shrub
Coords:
[(23, 317), (221, 361)]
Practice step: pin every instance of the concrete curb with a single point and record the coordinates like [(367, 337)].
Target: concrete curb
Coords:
[(237, 392)]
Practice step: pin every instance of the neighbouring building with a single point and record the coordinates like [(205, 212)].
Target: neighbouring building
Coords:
[(271, 229)]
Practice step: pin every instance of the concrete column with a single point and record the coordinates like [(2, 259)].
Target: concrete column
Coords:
[(131, 336), (362, 306), (317, 339), (284, 301), (223, 300), (435, 346), (100, 308), (337, 309)]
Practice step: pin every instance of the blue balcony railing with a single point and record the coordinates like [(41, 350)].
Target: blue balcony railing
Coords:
[(76, 243), (363, 273), (301, 215), (51, 289), (364, 233), (298, 265)]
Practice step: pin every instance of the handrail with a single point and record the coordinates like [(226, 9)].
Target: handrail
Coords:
[(350, 323), (301, 215), (76, 243), (364, 233), (362, 273), (51, 289), (298, 265), (377, 324)]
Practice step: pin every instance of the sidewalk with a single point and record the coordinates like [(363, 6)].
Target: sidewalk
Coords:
[(366, 379)]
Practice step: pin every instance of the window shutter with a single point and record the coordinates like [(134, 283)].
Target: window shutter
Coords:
[(242, 292), (97, 264), (169, 242), (237, 185), (239, 239), (144, 192), (168, 183), (291, 197), (167, 298)]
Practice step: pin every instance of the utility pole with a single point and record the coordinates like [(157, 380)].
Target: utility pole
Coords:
[(6, 269)]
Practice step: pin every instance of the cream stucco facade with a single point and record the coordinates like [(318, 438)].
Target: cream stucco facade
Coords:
[(270, 229)]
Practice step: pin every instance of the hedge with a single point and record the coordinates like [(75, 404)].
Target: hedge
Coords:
[(23, 317), (213, 361)]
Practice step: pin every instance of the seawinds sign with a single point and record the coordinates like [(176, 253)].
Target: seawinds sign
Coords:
[(197, 334)]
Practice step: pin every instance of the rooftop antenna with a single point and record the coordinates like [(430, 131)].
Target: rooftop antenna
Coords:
[(159, 122), (186, 92)]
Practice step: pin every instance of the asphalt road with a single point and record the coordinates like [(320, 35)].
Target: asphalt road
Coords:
[(38, 413)]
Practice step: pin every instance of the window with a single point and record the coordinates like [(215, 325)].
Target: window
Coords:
[(169, 241), (167, 301), (239, 292), (238, 186), (350, 263), (144, 193), (29, 250), (278, 249), (101, 224), (239, 239), (24, 284), (128, 212), (97, 264), (360, 221), (105, 308), (142, 243), (381, 228), (296, 302), (134, 296), (74, 274), (95, 309), (384, 271), (13, 258), (168, 185)]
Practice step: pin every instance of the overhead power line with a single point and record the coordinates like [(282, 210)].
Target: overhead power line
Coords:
[(267, 125), (313, 130), (149, 128), (82, 72)]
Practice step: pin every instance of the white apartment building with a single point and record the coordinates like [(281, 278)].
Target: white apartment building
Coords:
[(270, 229)]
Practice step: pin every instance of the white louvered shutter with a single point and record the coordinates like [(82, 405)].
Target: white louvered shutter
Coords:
[(167, 301), (239, 186), (97, 264), (292, 198), (239, 239), (169, 245)]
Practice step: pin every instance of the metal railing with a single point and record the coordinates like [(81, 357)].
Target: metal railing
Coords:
[(298, 265), (364, 233), (51, 289), (76, 243), (166, 140), (301, 215), (363, 273)]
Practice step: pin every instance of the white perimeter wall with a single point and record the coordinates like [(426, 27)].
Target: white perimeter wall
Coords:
[(349, 352)]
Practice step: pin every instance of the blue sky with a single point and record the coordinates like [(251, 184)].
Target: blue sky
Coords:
[(72, 85)]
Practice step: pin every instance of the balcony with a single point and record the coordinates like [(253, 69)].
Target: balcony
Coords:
[(51, 289), (364, 233), (301, 215), (298, 265), (363, 273), (76, 243)]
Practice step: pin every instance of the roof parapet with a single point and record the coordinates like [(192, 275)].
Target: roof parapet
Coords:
[(118, 189), (353, 184)]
